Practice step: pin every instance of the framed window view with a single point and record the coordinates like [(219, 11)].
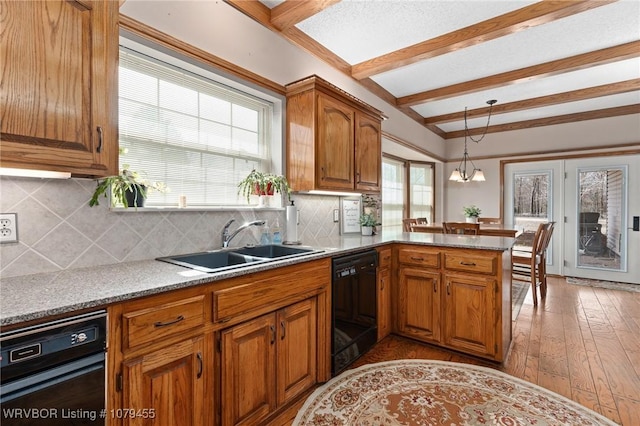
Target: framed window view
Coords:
[(350, 209)]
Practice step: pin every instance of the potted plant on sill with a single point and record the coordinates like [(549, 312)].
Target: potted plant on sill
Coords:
[(128, 188), (472, 212), (263, 184), (367, 222)]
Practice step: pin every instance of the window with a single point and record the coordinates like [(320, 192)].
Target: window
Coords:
[(198, 136), (416, 198)]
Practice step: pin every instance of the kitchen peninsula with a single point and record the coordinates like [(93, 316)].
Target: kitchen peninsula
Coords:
[(200, 329)]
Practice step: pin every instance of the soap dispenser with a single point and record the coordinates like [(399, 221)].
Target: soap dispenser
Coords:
[(277, 234), (265, 238)]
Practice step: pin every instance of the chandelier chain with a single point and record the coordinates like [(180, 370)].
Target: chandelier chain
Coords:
[(486, 127)]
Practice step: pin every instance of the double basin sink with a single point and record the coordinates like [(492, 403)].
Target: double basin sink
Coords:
[(225, 259)]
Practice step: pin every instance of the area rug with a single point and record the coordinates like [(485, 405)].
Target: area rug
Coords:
[(426, 392), (518, 293), (604, 284)]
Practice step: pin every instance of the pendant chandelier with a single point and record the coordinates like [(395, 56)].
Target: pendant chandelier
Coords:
[(462, 173)]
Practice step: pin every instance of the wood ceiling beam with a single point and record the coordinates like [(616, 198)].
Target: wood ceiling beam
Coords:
[(560, 66), (549, 121), (290, 12), (542, 101), (536, 14)]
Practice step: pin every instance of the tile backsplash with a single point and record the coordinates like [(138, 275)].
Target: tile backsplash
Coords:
[(58, 230)]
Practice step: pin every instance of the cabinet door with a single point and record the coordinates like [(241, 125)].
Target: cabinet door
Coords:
[(335, 146), (470, 316), (248, 371), (59, 86), (368, 153), (170, 381), (419, 304), (297, 342)]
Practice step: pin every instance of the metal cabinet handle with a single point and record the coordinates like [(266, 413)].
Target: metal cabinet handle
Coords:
[(324, 173), (357, 177), (435, 287), (417, 259), (381, 284), (100, 137), (273, 334), (200, 365), (164, 324), (467, 263), (283, 330), (448, 290)]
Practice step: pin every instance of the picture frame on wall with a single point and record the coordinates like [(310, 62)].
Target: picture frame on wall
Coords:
[(350, 210)]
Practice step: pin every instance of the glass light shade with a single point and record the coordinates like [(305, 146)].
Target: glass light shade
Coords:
[(478, 176), (455, 175)]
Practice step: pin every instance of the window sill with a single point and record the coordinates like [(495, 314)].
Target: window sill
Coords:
[(157, 209)]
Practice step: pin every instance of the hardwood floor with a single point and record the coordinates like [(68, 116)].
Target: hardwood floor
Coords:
[(580, 342)]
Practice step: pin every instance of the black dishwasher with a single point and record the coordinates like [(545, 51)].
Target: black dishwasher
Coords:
[(354, 308), (53, 374)]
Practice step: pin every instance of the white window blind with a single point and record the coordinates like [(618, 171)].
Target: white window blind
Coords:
[(421, 195), (393, 192), (199, 137)]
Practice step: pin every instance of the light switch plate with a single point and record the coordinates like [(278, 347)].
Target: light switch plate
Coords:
[(336, 215), (8, 227)]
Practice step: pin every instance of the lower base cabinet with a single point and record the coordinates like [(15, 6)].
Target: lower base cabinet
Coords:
[(171, 385), (266, 362)]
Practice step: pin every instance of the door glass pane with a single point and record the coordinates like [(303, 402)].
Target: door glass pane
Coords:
[(531, 204), (421, 177), (601, 235)]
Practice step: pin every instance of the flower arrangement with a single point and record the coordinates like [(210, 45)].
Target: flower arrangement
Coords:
[(128, 183), (472, 211)]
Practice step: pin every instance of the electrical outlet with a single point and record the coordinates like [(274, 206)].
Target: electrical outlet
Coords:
[(8, 228)]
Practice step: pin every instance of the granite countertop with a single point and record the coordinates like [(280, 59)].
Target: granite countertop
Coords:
[(33, 297)]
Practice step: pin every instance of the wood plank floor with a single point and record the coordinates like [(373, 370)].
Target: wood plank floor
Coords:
[(581, 342)]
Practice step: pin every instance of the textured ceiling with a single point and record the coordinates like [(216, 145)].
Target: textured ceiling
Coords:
[(532, 57)]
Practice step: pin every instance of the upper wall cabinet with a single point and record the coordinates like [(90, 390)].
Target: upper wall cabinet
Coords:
[(334, 140), (59, 102)]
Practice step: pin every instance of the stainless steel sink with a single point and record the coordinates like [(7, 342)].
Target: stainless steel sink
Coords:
[(222, 260)]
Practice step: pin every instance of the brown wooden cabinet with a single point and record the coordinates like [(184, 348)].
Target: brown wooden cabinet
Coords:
[(268, 361), (384, 292), (59, 86), (333, 139), (457, 298)]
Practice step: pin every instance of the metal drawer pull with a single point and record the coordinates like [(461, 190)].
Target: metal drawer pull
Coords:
[(164, 324), (283, 330), (99, 148), (418, 259), (200, 365), (467, 263)]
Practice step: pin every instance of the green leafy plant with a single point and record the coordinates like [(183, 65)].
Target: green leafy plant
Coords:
[(368, 219), (259, 183), (472, 211), (127, 181)]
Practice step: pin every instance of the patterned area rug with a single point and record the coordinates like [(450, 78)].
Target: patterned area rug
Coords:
[(424, 392), (604, 284)]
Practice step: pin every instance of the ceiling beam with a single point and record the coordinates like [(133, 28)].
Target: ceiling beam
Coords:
[(290, 12), (542, 101), (549, 121), (560, 66), (530, 16)]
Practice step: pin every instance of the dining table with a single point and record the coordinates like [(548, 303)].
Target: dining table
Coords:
[(487, 229)]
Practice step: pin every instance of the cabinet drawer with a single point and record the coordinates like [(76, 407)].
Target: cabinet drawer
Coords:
[(384, 258), (419, 257), (158, 322), (467, 262), (270, 292)]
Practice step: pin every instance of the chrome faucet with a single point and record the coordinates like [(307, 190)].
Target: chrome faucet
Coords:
[(227, 237)]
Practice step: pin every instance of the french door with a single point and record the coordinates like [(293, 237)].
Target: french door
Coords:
[(593, 202), (602, 198)]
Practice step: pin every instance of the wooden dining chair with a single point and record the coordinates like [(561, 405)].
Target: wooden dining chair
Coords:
[(464, 228), (408, 223), (490, 220), (535, 260), (422, 221)]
